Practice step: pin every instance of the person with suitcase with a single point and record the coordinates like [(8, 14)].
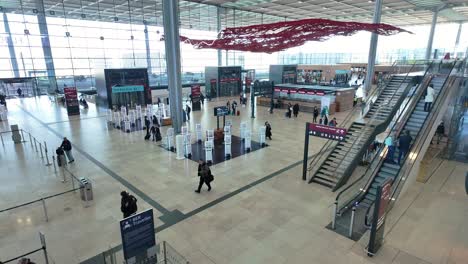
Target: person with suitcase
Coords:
[(153, 132), (67, 147), (205, 175), (60, 156), (128, 204)]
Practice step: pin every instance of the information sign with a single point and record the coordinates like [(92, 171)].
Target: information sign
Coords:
[(138, 238), (71, 98), (323, 131), (384, 193), (220, 111)]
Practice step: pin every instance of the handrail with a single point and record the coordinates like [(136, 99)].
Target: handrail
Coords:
[(422, 87), (343, 179), (421, 139)]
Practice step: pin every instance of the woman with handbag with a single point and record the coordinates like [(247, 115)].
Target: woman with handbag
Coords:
[(205, 175)]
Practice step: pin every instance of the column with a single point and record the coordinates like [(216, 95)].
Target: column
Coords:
[(148, 50), (218, 24), (41, 19), (431, 35), (457, 40), (373, 48), (11, 48), (172, 45)]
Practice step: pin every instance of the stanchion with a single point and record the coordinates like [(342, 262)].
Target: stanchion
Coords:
[(35, 144), (40, 147), (22, 136), (63, 173), (164, 251), (335, 207), (55, 167), (351, 224), (45, 210), (46, 155), (30, 140), (73, 182), (85, 196), (1, 136)]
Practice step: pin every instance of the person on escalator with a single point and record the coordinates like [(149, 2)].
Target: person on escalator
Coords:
[(391, 149), (404, 145), (429, 98)]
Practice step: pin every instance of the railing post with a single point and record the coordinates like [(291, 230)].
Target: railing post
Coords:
[(85, 196), (63, 173), (30, 140), (40, 147), (45, 210), (47, 156), (35, 144), (1, 136), (22, 136), (53, 161), (335, 209), (164, 252), (351, 224)]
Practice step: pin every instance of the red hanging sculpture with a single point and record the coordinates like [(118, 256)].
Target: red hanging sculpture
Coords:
[(279, 36)]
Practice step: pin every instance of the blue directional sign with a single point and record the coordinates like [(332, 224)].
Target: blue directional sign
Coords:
[(138, 238)]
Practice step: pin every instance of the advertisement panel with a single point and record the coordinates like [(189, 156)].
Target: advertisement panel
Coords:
[(71, 99), (195, 91)]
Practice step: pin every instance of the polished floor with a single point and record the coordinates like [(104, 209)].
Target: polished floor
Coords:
[(259, 211)]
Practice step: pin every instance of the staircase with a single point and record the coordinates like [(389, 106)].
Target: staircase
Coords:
[(340, 163), (414, 125)]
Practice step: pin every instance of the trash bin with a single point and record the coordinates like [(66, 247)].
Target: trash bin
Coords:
[(86, 188)]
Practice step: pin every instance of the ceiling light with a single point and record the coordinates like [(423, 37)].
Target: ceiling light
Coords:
[(387, 7), (370, 1), (325, 7), (300, 2)]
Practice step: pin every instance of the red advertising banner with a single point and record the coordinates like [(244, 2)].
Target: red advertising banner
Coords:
[(335, 133), (196, 97), (71, 98), (384, 200)]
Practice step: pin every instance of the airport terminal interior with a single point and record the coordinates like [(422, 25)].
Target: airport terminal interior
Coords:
[(233, 131)]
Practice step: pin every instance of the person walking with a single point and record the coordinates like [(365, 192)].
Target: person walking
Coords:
[(404, 145), (289, 113), (391, 149), (429, 98), (268, 130), (234, 107), (147, 125), (202, 98), (67, 147), (205, 175), (325, 120), (188, 112), (128, 204), (153, 132), (440, 132), (20, 92), (60, 157), (296, 110), (316, 113), (155, 120), (228, 105)]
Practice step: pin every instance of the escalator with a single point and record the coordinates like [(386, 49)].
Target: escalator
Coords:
[(337, 167), (414, 124), (361, 194)]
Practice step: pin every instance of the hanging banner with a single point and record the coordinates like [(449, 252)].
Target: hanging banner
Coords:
[(195, 91), (71, 99), (138, 238)]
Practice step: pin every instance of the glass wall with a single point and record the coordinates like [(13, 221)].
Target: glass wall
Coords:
[(89, 35)]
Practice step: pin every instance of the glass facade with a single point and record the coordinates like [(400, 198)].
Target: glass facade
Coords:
[(91, 34)]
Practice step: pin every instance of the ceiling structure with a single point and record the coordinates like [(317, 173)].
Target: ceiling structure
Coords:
[(202, 14)]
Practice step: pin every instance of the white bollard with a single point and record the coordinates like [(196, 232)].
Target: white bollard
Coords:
[(227, 146), (261, 136), (247, 141), (198, 132), (208, 151), (188, 145), (243, 129), (180, 147)]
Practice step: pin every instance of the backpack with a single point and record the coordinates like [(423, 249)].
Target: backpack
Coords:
[(132, 204)]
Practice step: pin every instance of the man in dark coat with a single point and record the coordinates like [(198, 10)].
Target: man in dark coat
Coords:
[(128, 204), (296, 109), (204, 173), (404, 145), (316, 113), (67, 147), (268, 130)]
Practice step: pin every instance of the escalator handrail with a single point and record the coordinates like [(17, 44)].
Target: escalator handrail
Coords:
[(352, 201), (430, 117), (342, 179)]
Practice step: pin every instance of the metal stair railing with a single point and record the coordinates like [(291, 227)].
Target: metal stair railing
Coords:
[(378, 126), (347, 197), (420, 138), (349, 119)]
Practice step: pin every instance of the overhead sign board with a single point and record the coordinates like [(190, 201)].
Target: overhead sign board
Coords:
[(128, 88), (335, 133), (138, 238)]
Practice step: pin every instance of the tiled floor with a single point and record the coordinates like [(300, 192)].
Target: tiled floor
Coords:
[(259, 211)]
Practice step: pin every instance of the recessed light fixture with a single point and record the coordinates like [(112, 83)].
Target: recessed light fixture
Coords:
[(370, 1), (387, 7)]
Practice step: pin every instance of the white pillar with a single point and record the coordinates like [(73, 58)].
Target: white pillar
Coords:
[(373, 48), (431, 35)]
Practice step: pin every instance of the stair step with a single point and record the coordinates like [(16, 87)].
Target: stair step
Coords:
[(323, 182)]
